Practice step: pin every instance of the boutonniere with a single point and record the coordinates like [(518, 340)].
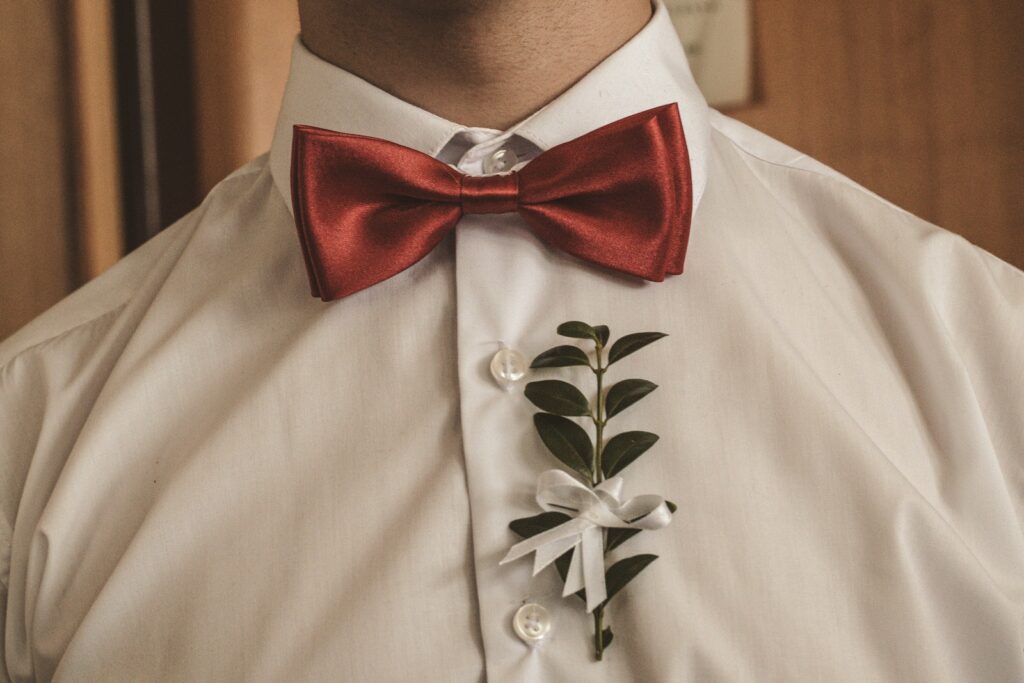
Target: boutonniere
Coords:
[(585, 514)]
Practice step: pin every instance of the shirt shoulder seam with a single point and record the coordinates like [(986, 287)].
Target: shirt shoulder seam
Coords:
[(839, 179), (64, 333), (243, 172), (834, 176)]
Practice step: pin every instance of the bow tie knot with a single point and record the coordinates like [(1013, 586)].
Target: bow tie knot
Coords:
[(490, 193)]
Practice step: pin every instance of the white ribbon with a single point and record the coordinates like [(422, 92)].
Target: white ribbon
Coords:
[(591, 509)]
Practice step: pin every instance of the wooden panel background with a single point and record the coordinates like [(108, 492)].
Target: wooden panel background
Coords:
[(243, 49), (921, 101), (95, 128), (35, 198)]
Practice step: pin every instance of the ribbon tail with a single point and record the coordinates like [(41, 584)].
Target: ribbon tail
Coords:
[(567, 530), (550, 552)]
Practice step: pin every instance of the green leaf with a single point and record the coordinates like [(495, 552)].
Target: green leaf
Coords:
[(625, 393), (602, 333), (558, 397), (578, 330), (567, 441), (624, 448), (624, 571), (562, 564), (606, 637), (617, 537), (561, 357), (626, 345), (531, 526)]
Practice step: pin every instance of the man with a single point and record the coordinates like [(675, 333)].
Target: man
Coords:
[(210, 475)]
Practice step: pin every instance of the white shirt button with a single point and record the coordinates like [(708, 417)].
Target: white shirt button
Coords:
[(532, 623), (500, 161), (508, 367)]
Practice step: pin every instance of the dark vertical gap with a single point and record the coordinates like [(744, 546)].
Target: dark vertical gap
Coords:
[(159, 174), (133, 183), (72, 148), (174, 94)]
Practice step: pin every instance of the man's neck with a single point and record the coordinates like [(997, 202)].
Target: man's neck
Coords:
[(486, 63)]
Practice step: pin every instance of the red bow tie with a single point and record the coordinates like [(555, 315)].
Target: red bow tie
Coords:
[(619, 196)]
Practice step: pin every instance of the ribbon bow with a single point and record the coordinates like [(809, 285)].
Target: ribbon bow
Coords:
[(619, 196), (591, 509)]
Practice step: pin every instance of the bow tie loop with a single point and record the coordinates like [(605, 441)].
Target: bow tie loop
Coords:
[(490, 193)]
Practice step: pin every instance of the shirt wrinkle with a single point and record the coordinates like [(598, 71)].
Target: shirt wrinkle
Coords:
[(61, 335)]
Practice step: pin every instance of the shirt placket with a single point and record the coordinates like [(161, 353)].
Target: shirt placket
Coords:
[(498, 301)]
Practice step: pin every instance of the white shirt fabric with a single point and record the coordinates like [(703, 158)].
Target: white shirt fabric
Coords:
[(206, 474)]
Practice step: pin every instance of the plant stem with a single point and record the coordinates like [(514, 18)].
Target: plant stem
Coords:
[(600, 420), (597, 479)]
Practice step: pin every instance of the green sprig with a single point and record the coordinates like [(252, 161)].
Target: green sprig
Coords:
[(593, 460)]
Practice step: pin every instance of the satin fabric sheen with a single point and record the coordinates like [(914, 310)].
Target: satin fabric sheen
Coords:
[(367, 209)]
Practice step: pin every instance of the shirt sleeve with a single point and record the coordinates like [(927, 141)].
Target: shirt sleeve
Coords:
[(984, 310), (46, 393)]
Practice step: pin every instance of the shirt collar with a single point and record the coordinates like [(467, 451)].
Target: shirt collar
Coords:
[(647, 71)]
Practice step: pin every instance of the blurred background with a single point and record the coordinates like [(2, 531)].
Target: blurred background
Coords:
[(117, 116)]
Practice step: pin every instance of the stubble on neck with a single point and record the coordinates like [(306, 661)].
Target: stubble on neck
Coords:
[(486, 63)]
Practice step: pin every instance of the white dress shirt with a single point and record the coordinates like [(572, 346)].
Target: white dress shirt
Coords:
[(206, 474)]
